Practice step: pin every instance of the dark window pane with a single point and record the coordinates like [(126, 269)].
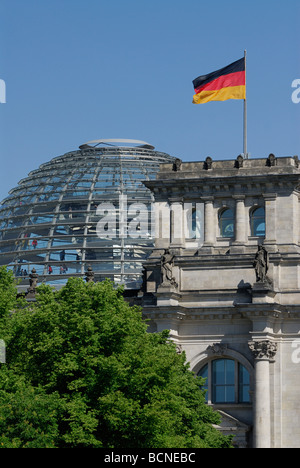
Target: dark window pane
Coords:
[(258, 226), (226, 223)]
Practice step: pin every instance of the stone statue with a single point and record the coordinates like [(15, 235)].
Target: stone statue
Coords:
[(167, 263), (208, 163), (89, 276), (177, 165), (33, 280), (261, 264)]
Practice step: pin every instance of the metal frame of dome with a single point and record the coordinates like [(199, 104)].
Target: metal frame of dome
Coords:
[(51, 218)]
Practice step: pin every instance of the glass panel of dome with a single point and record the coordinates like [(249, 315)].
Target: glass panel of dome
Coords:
[(134, 253), (9, 202), (72, 210), (95, 241), (17, 192), (15, 222), (133, 281), (103, 254), (104, 266), (7, 248), (21, 210), (11, 234), (134, 267), (5, 213), (52, 188), (78, 185), (48, 197), (87, 176), (66, 268), (75, 194), (57, 178), (19, 270), (66, 241), (43, 208), (41, 219), (61, 230), (3, 224), (37, 243)]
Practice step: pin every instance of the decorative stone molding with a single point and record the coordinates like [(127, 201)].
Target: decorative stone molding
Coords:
[(263, 349), (218, 348)]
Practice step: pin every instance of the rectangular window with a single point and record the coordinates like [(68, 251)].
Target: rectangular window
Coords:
[(223, 384)]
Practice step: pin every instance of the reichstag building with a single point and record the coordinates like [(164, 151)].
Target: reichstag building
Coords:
[(210, 249)]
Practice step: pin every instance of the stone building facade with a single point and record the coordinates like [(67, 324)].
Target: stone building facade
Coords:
[(224, 278)]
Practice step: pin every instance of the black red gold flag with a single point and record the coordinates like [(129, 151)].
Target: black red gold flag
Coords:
[(226, 83)]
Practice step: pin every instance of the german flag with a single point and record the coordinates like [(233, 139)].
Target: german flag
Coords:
[(227, 83)]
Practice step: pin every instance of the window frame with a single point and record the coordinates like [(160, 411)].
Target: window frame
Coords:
[(221, 220), (255, 208), (239, 386)]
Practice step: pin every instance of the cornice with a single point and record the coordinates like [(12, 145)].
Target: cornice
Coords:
[(235, 186), (237, 311)]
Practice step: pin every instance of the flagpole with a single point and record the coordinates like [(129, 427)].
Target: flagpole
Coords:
[(245, 112)]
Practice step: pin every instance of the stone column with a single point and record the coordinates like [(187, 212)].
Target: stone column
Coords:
[(240, 220), (209, 222), (263, 352)]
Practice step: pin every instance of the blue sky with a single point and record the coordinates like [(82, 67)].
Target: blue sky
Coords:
[(79, 70)]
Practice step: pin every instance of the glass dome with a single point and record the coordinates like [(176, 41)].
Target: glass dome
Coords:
[(86, 208)]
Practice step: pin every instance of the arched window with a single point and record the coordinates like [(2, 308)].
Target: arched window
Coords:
[(226, 223), (227, 381), (257, 222)]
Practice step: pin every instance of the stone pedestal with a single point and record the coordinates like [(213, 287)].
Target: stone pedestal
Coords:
[(167, 295), (263, 292)]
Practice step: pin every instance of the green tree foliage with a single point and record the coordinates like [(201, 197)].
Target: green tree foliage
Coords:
[(82, 371)]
